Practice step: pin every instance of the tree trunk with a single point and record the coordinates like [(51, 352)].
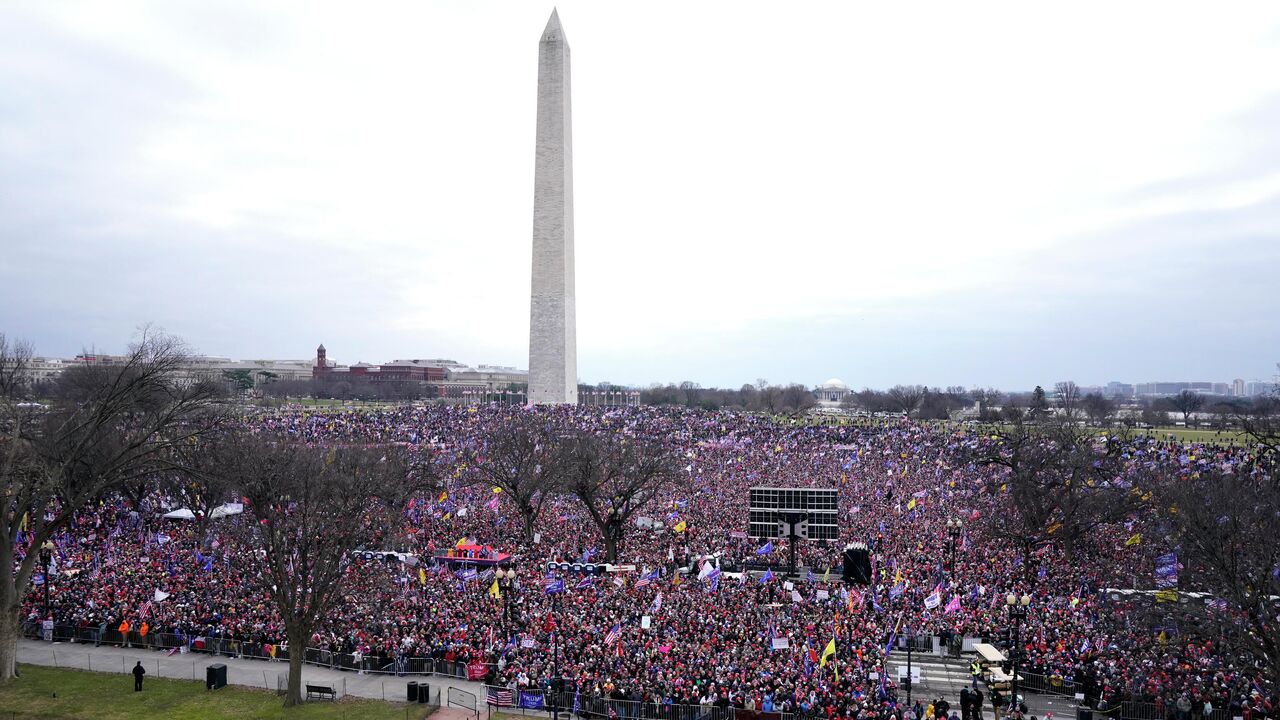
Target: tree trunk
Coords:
[(297, 651), (610, 543), (9, 630), (529, 517)]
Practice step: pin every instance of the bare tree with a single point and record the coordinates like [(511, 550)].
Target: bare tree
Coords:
[(1068, 398), (1262, 422), (614, 476), (796, 399), (1060, 480), (108, 425), (1187, 402), (872, 401), (904, 398), (525, 459), (310, 508), (1218, 524), (1098, 409)]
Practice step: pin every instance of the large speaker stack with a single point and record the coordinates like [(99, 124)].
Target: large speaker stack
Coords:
[(857, 564), (215, 676)]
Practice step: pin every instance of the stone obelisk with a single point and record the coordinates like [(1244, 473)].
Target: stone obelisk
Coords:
[(553, 344)]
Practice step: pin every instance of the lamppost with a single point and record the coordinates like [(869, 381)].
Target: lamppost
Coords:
[(46, 556), (504, 581), (911, 641), (556, 684), (954, 527), (1017, 614)]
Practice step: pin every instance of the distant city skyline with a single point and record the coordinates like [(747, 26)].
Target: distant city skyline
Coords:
[(993, 194), (1240, 386)]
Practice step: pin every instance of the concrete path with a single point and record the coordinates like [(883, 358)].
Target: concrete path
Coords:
[(252, 673), (940, 676)]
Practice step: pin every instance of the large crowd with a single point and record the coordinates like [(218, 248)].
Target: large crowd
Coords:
[(682, 627)]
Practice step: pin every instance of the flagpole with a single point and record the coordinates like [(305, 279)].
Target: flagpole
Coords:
[(555, 658)]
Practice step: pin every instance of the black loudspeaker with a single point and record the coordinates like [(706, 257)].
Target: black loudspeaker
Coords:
[(857, 565), (215, 676)]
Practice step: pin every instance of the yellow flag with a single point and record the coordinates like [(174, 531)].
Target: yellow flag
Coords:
[(494, 592), (497, 490), (826, 576), (1135, 539), (828, 651), (1166, 596), (461, 541), (897, 577), (680, 526), (422, 576), (911, 505), (1054, 528), (444, 495)]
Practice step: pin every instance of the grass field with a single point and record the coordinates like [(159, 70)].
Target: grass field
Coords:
[(44, 692)]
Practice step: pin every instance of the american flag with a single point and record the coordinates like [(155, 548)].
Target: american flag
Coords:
[(613, 714), (613, 635), (647, 579), (144, 609), (500, 697)]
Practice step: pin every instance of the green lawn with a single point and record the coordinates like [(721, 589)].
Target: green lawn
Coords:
[(44, 692)]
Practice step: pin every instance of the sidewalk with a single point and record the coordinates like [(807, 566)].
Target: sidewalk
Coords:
[(252, 673)]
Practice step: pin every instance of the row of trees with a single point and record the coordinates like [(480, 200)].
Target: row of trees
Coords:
[(140, 428), (760, 397), (613, 475), (1063, 484)]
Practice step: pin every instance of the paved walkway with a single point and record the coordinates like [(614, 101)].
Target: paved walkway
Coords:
[(940, 676), (252, 673)]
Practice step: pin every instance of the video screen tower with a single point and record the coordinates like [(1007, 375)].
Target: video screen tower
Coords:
[(795, 514)]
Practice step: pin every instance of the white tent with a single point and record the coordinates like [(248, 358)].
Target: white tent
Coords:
[(227, 509), (181, 514)]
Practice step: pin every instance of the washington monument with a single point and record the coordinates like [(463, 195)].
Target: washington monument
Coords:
[(553, 344)]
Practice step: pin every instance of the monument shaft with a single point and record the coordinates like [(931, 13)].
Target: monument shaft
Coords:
[(553, 346)]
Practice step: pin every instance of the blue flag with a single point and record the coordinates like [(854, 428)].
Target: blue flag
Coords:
[(766, 549), (531, 701), (766, 577), (553, 586)]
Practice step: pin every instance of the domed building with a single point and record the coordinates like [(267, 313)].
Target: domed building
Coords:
[(832, 392)]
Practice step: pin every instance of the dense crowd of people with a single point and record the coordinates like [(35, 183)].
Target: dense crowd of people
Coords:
[(684, 626)]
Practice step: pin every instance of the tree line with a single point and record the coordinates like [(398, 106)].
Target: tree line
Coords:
[(142, 429)]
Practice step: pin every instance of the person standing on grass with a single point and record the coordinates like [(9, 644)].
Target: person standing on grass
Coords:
[(138, 672)]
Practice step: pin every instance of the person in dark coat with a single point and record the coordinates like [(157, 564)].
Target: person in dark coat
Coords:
[(965, 704), (138, 672)]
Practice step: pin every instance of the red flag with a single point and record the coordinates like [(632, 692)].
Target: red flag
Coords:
[(549, 625)]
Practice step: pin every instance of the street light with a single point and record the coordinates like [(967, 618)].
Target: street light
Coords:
[(505, 578), (954, 527), (1017, 614), (46, 556)]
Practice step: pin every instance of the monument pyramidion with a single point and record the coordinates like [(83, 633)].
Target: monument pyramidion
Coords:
[(553, 345)]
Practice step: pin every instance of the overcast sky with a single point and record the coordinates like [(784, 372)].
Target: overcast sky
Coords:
[(942, 193)]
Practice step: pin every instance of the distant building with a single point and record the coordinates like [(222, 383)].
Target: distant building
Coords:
[(450, 378), (428, 371), (1237, 387), (1254, 388), (1120, 390), (831, 393)]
